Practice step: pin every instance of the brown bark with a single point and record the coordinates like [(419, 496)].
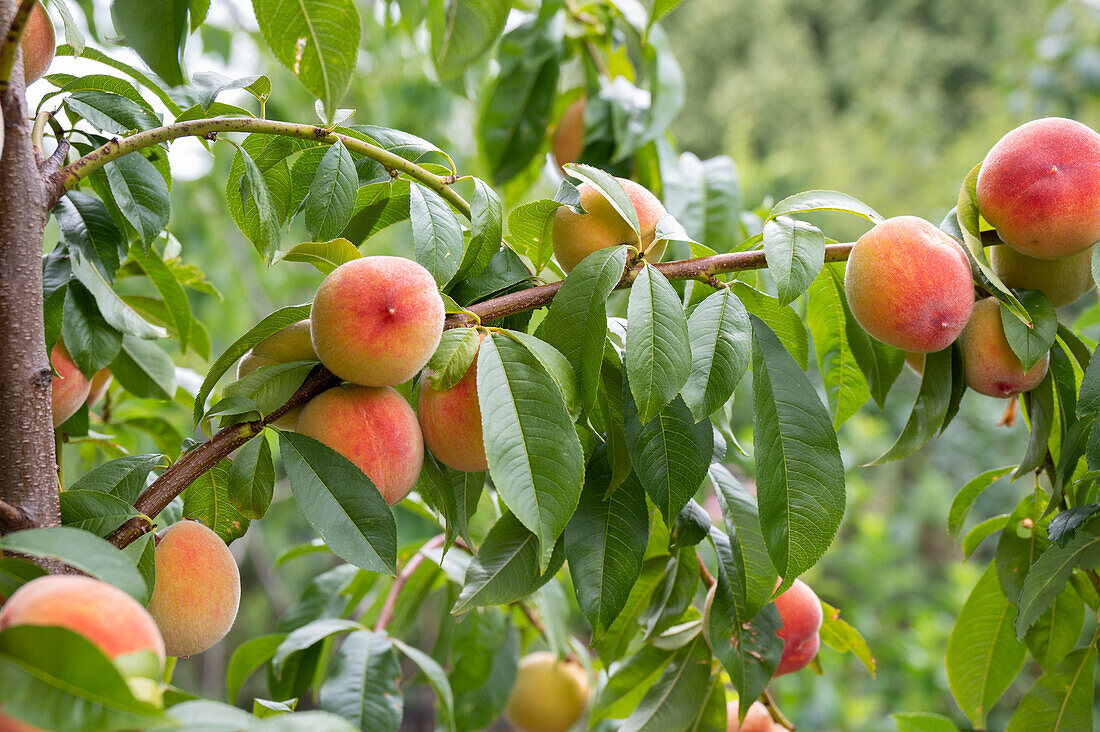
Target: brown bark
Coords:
[(28, 477)]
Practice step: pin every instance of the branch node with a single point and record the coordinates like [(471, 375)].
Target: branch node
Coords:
[(13, 518), (211, 136)]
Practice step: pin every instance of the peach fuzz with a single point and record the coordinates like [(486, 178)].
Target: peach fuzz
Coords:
[(377, 320), (38, 43), (549, 695), (69, 388), (578, 235), (1061, 280), (567, 142), (102, 613), (1039, 187), (909, 285), (800, 612), (375, 428), (451, 422), (197, 588), (756, 719), (989, 365)]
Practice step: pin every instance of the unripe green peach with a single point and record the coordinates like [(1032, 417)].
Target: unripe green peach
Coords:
[(197, 589), (69, 388), (38, 44), (549, 695), (292, 343), (801, 614), (909, 285), (756, 719), (377, 320), (375, 428), (1039, 186), (567, 143), (1061, 280), (989, 364), (100, 612), (98, 388), (451, 422), (578, 235)]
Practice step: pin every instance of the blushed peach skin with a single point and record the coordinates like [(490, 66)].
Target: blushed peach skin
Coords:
[(567, 143), (197, 590), (909, 285), (1061, 280), (9, 724), (989, 364), (800, 611), (375, 428), (1039, 186), (377, 320), (38, 44), (578, 235), (100, 612), (69, 388), (451, 422), (756, 719)]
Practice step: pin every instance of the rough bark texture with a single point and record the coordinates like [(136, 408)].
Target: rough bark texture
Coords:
[(28, 469)]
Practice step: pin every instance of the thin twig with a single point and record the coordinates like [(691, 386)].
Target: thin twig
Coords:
[(708, 578), (773, 709), (402, 579), (531, 617), (12, 43)]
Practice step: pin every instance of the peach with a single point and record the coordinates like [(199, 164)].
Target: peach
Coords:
[(909, 285), (38, 44), (567, 142), (375, 428), (757, 718), (1039, 187), (292, 343), (989, 365), (197, 588), (10, 724), (549, 695), (377, 320), (451, 422), (102, 613), (801, 615), (98, 387), (1061, 280), (578, 235), (69, 388)]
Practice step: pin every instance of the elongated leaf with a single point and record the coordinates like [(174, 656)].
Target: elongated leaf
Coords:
[(341, 503), (824, 201), (486, 230), (207, 500), (249, 656), (331, 198), (800, 476), (310, 634), (1031, 343), (615, 642), (95, 512), (1048, 575), (435, 675), (530, 228), (658, 352), (1089, 401), (1056, 632), (784, 321), (86, 224), (1061, 699), (156, 29), (827, 315), (80, 549), (629, 683), (673, 702), (170, 290), (842, 637), (324, 255), (144, 369), (749, 571), (362, 684), (437, 235), (610, 188), (929, 410), (463, 30), (141, 194), (923, 722), (983, 655), (252, 478), (116, 312), (721, 349), (795, 252), (90, 340), (964, 499), (266, 234), (535, 458)]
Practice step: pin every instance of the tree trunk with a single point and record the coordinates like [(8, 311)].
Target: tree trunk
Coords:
[(28, 468)]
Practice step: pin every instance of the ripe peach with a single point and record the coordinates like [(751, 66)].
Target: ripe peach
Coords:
[(549, 695), (98, 388), (756, 719), (989, 365), (451, 422), (197, 589), (1040, 188), (100, 612), (377, 320), (909, 285), (578, 235), (375, 428), (1061, 280), (292, 343), (800, 611), (567, 143), (69, 388), (10, 724), (38, 44)]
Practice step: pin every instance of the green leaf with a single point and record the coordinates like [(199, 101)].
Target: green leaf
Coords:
[(506, 567), (629, 683), (249, 656), (673, 702), (605, 543), (90, 340), (113, 113), (827, 315), (54, 678), (610, 188), (843, 638), (453, 357), (1056, 632), (661, 8), (86, 224), (141, 194), (116, 312), (1061, 699), (324, 255), (824, 201), (269, 387), (658, 352), (535, 458), (252, 478), (171, 292), (928, 411), (463, 30), (486, 230), (981, 532), (341, 503), (782, 319), (332, 195), (435, 675), (157, 30), (670, 453), (479, 705), (983, 655), (1089, 401), (673, 595), (923, 722), (880, 363), (1040, 412), (615, 643), (207, 500), (93, 511), (16, 572), (437, 235), (266, 235), (307, 636), (252, 209), (1030, 344), (144, 369), (1048, 575), (79, 549), (530, 228), (800, 476), (318, 40), (721, 348), (964, 499), (795, 252), (748, 568)]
